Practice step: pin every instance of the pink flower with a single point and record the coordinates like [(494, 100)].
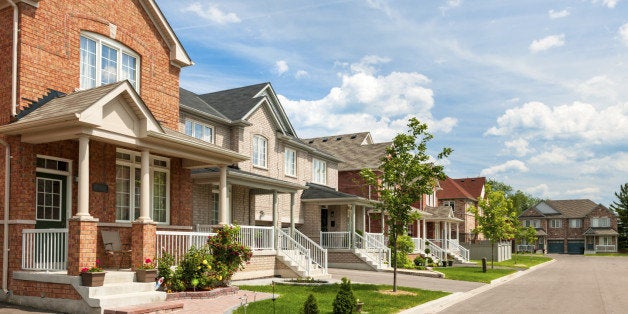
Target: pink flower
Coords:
[(148, 261), (84, 269)]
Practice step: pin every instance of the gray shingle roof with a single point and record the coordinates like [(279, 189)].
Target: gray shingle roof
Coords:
[(191, 100), (317, 191), (234, 103), (561, 209), (601, 232), (349, 148)]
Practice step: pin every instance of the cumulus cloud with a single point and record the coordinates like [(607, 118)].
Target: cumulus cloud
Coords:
[(599, 86), (212, 13), (607, 3), (365, 100), (547, 43), (281, 67), (559, 155), (541, 190), (509, 166), (301, 74), (518, 147), (610, 164), (623, 33), (558, 14), (588, 192), (578, 121)]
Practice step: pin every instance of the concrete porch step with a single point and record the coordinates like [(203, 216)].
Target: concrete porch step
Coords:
[(161, 307), (129, 299), (119, 276), (120, 288)]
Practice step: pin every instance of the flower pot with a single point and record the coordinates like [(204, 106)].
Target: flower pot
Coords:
[(95, 279), (358, 307), (450, 263), (146, 275)]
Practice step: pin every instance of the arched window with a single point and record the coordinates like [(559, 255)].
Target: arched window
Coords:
[(105, 61)]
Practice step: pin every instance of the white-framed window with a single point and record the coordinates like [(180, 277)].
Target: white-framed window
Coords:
[(600, 222), (606, 240), (290, 163), (451, 204), (49, 199), (215, 208), (575, 223), (104, 61), (556, 223), (260, 151), (128, 186), (319, 171), (534, 223), (199, 130)]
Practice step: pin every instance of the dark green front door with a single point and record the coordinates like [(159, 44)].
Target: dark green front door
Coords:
[(50, 202)]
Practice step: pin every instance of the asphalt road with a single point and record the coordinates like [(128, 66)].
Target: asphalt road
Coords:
[(573, 284)]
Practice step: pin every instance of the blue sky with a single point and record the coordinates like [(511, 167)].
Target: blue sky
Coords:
[(531, 93)]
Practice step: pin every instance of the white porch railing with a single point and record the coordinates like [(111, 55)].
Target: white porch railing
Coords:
[(374, 250), (257, 237), (436, 251), (177, 243), (419, 245), (525, 248), (336, 240), (378, 239), (458, 250), (45, 249), (294, 251), (605, 248), (318, 254)]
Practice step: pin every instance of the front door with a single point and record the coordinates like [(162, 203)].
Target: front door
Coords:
[(50, 206), (324, 214)]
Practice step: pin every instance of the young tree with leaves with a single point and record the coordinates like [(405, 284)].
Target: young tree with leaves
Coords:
[(495, 216), (620, 206), (404, 176)]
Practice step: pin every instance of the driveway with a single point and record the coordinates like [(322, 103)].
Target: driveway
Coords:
[(573, 284), (386, 278)]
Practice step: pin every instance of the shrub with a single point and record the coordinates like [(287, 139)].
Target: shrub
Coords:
[(405, 246), (310, 306), (344, 302), (418, 261), (229, 255), (193, 272)]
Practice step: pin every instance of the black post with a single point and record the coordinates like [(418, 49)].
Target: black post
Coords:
[(483, 264)]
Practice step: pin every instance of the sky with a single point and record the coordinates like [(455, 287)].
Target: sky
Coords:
[(530, 93)]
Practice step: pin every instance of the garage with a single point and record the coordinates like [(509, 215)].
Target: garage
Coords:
[(555, 246), (575, 246)]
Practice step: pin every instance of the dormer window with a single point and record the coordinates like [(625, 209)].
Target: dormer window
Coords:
[(199, 130), (105, 61)]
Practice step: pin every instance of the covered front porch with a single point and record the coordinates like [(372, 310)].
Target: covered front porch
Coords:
[(600, 240), (442, 234)]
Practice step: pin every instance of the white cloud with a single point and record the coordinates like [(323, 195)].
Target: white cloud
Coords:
[(547, 43), (587, 192), (558, 14), (578, 121), (608, 3), (509, 166), (365, 100), (212, 13), (542, 190), (281, 67), (599, 86), (519, 147), (301, 74), (623, 33), (559, 155), (454, 3), (608, 165)]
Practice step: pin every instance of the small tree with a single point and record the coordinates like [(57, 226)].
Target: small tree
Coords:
[(310, 306), (495, 217), (620, 206), (403, 177), (345, 302)]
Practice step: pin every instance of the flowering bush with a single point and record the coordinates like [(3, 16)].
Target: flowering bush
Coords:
[(148, 264), (229, 255), (94, 269), (193, 272)]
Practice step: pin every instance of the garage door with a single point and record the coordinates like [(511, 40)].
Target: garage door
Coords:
[(555, 246), (575, 246)]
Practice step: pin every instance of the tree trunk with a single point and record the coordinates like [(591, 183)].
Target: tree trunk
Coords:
[(492, 254), (394, 261)]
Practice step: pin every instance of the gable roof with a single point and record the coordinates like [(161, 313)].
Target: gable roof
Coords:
[(475, 186), (320, 194), (357, 150), (450, 189), (192, 101), (178, 55), (561, 208)]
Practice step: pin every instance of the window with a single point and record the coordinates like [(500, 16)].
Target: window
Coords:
[(534, 223), (291, 162), (450, 204), (48, 199), (215, 208), (575, 223), (556, 223), (319, 171), (105, 61), (199, 130), (600, 222), (606, 240), (260, 146), (128, 186)]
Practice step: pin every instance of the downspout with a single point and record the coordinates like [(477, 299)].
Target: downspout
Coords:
[(7, 191), (14, 60)]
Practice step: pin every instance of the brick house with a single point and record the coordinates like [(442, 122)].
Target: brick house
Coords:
[(460, 195), (266, 191), (358, 151), (572, 226), (89, 119)]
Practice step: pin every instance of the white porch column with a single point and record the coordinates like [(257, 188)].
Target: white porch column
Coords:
[(458, 232), (424, 229), (145, 188), (292, 214), (418, 234), (275, 219), (83, 179), (222, 204), (364, 219), (383, 224)]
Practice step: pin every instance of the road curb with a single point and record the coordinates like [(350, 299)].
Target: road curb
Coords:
[(445, 302)]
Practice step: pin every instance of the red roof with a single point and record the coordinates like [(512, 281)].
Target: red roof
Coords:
[(469, 188)]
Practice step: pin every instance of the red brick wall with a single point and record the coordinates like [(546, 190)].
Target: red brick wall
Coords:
[(49, 45), (44, 289)]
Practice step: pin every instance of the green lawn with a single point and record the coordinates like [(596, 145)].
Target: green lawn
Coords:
[(291, 298), (609, 254), (474, 273), (522, 261)]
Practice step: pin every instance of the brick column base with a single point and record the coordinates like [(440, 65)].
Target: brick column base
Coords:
[(82, 244), (144, 241)]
